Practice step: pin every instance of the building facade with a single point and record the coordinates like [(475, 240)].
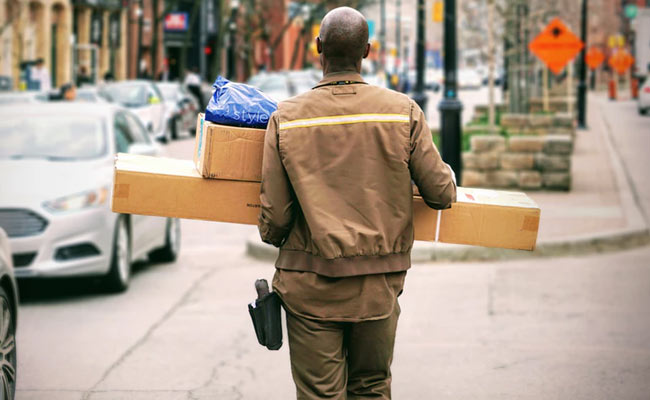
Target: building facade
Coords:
[(73, 38)]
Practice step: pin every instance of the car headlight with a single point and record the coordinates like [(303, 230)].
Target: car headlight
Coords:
[(79, 201)]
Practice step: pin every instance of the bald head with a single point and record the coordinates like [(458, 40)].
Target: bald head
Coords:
[(343, 39)]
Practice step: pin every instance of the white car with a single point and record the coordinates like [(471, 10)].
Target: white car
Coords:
[(57, 173), (8, 321), (145, 100), (181, 109), (469, 79), (644, 97)]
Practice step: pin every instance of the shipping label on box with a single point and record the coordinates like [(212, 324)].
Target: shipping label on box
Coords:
[(173, 188), (227, 152), (481, 217)]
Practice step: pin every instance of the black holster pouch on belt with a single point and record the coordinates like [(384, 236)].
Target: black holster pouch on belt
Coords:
[(265, 313)]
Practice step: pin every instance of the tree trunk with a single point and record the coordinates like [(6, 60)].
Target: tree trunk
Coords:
[(491, 112)]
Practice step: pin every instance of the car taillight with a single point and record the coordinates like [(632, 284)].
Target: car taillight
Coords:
[(646, 89)]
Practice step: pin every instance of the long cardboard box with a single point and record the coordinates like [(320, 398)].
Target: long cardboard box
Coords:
[(228, 152), (172, 188)]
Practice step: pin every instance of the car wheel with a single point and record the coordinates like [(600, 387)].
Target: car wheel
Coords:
[(119, 275), (643, 111), (174, 127), (7, 347), (169, 252)]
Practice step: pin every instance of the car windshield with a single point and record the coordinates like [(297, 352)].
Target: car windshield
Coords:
[(56, 138), (15, 98), (274, 85), (169, 92), (129, 95), (86, 95)]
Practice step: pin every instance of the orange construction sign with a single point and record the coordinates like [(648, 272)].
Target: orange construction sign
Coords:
[(621, 61), (595, 57), (556, 45)]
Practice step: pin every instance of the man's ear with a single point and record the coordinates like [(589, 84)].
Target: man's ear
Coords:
[(319, 45), (366, 51)]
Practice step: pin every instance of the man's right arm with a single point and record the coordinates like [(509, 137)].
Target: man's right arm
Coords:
[(431, 175)]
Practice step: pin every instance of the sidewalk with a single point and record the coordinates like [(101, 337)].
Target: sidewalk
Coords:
[(599, 213)]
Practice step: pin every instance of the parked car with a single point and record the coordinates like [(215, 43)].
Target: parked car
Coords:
[(145, 100), (57, 167), (282, 85), (8, 319), (8, 98), (469, 79), (5, 83), (93, 94), (181, 108), (643, 102), (431, 80)]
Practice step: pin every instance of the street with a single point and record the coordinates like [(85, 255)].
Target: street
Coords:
[(563, 328)]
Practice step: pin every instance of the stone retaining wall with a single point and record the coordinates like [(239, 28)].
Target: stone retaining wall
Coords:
[(527, 151), (538, 124), (523, 161)]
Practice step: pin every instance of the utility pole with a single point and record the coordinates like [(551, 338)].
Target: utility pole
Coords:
[(140, 13), (232, 65), (450, 107), (398, 36), (491, 113), (382, 35), (582, 85), (419, 96)]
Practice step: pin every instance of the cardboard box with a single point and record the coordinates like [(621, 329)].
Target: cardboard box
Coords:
[(173, 188), (481, 217), (227, 152)]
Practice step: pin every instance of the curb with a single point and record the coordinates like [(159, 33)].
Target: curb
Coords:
[(424, 252)]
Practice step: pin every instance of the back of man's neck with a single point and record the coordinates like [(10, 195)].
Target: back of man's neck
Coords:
[(340, 71)]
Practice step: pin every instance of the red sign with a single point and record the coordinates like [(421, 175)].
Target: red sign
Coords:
[(594, 57), (621, 61), (556, 45), (176, 22)]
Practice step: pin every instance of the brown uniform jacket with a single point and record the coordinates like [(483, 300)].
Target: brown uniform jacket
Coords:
[(336, 178)]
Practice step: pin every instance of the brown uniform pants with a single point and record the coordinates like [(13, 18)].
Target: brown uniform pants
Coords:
[(341, 360)]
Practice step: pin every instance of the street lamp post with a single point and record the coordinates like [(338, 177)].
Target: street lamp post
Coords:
[(582, 85), (139, 12), (450, 107), (419, 96), (232, 31)]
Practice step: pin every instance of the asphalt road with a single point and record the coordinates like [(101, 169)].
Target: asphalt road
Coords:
[(568, 328)]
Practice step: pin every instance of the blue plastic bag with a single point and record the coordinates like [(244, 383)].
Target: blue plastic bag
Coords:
[(237, 104)]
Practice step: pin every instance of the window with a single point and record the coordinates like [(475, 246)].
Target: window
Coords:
[(138, 133), (123, 138)]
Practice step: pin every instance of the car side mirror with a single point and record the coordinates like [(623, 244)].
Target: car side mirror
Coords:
[(142, 149)]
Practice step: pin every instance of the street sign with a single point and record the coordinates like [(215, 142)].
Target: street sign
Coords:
[(556, 45), (631, 10), (176, 22), (616, 40), (594, 57), (438, 11), (621, 61), (371, 29)]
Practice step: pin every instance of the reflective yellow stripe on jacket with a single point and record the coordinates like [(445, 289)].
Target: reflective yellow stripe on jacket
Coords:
[(344, 119)]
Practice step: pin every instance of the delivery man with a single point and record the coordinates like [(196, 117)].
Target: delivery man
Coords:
[(337, 199)]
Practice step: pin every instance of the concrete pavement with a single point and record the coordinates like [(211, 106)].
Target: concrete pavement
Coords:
[(602, 212)]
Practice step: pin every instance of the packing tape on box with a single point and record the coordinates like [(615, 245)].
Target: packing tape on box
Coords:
[(438, 225)]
